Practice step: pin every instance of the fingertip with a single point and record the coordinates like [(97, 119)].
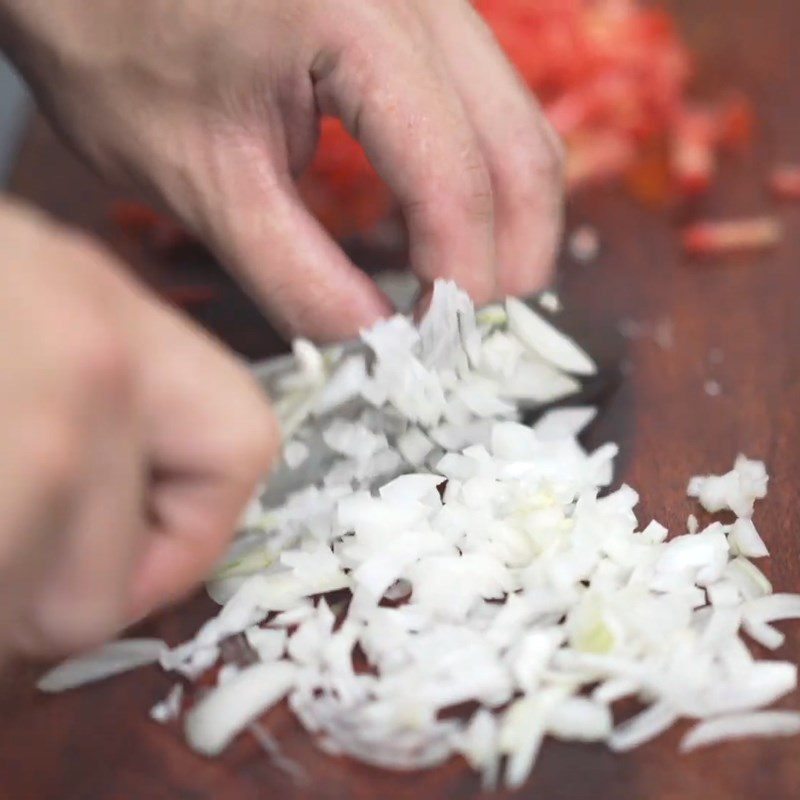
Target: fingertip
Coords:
[(527, 265), (300, 277)]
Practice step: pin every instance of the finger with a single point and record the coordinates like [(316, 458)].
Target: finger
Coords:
[(385, 84), (521, 149), (85, 590), (211, 437), (89, 473), (302, 279)]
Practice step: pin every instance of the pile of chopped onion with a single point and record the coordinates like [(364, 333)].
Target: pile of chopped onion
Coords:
[(490, 591)]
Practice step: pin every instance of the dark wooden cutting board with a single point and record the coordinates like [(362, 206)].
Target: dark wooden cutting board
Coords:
[(97, 743)]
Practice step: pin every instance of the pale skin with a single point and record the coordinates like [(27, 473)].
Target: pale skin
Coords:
[(129, 440)]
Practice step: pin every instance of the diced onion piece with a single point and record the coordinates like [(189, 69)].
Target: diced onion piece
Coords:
[(96, 665), (747, 578), (414, 446), (227, 710), (562, 423), (764, 634), (522, 733), (580, 719), (168, 709), (784, 180), (295, 453), (544, 340), (773, 608), (645, 726), (745, 540), (739, 726)]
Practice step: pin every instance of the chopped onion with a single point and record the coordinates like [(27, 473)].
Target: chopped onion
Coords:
[(168, 709), (739, 726), (477, 561), (96, 665), (580, 719), (643, 727), (745, 540), (231, 707), (773, 608), (544, 340), (764, 634)]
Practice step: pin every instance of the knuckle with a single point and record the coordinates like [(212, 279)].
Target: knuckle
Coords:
[(83, 622), (96, 358), (52, 452), (534, 166), (263, 440), (358, 58), (474, 192), (72, 611), (463, 193), (548, 161), (249, 444)]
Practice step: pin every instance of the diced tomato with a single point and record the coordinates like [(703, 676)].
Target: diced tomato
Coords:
[(598, 157), (735, 122), (190, 296), (134, 218), (784, 181), (155, 231), (731, 236), (650, 178), (692, 151)]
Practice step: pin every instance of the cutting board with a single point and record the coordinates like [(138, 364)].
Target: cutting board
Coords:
[(98, 744)]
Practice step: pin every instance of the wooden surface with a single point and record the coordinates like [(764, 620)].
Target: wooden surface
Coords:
[(97, 743)]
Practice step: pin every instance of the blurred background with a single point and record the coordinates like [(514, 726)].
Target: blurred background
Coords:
[(14, 109)]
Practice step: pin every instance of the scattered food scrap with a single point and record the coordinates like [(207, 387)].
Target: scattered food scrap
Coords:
[(722, 237), (550, 301), (784, 181), (716, 355), (661, 332), (584, 244)]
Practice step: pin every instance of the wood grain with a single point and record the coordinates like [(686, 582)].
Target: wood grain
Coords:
[(97, 743)]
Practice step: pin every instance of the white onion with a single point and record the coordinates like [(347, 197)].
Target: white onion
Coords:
[(96, 665), (547, 342), (168, 709), (580, 719), (738, 726), (764, 634), (477, 560), (773, 608), (745, 539), (228, 709), (643, 727), (737, 490)]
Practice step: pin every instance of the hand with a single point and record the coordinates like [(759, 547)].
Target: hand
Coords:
[(129, 443), (213, 105)]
